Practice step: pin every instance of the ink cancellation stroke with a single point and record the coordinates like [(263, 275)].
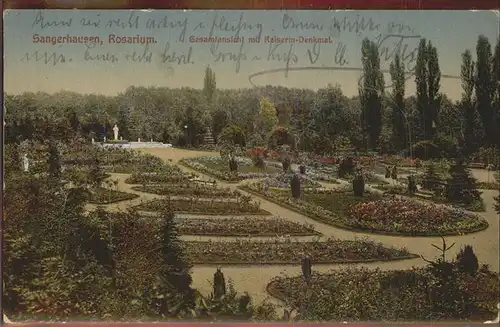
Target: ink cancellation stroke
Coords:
[(247, 44)]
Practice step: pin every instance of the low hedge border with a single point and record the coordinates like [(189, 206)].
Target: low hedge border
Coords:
[(353, 229)]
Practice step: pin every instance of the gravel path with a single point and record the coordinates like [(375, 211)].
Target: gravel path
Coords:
[(254, 278)]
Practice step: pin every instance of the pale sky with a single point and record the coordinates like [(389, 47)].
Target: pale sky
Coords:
[(451, 32)]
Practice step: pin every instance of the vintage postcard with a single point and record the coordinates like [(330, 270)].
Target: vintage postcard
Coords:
[(336, 166)]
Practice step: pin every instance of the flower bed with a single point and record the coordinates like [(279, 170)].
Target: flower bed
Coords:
[(245, 226), (107, 196), (196, 206), (402, 190), (370, 178), (336, 208), (406, 216), (360, 294), (187, 189), (173, 175), (283, 180), (279, 252), (216, 167)]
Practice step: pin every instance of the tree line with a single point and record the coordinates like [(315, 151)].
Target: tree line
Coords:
[(323, 121)]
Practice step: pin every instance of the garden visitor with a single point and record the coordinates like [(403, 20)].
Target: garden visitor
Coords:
[(387, 172)]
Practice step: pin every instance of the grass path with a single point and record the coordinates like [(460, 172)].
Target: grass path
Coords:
[(254, 278)]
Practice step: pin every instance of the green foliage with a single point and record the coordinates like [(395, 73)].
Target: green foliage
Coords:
[(346, 167), (306, 265), (258, 161), (209, 84), (280, 136), (467, 260), (54, 161), (295, 186), (268, 117), (302, 169), (448, 299), (426, 150), (342, 144), (399, 124), (233, 164), (461, 186), (412, 185), (484, 87), (371, 92), (232, 135), (219, 284), (358, 184), (427, 78), (432, 179), (286, 163), (219, 122), (96, 175)]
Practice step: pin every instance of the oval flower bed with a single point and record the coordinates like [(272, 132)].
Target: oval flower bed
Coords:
[(244, 226), (187, 189), (360, 294), (335, 207), (279, 252), (399, 215), (198, 206)]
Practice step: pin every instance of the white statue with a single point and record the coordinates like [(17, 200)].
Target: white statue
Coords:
[(496, 321), (26, 163), (115, 131), (93, 141), (105, 139), (139, 139)]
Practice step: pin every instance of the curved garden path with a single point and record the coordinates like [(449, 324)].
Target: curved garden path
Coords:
[(254, 278)]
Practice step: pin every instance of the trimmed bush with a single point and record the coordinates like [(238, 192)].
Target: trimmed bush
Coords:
[(358, 185), (295, 185), (467, 260)]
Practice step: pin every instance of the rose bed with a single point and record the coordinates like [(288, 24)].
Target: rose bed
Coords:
[(283, 180), (244, 226), (283, 252), (203, 207), (397, 214), (187, 189), (374, 213)]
